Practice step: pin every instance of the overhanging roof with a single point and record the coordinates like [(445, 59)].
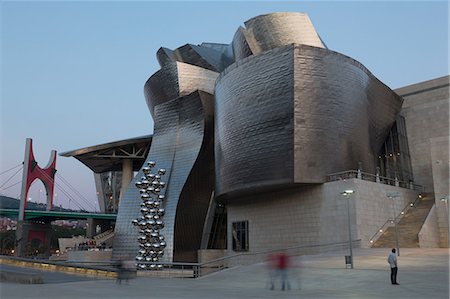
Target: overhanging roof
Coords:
[(109, 156)]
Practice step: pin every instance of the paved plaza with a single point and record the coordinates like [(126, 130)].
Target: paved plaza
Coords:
[(423, 273)]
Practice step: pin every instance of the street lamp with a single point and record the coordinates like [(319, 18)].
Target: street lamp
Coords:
[(393, 196), (445, 200), (347, 194)]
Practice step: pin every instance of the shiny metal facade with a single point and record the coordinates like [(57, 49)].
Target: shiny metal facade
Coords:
[(295, 114), (182, 144), (274, 108), (177, 79)]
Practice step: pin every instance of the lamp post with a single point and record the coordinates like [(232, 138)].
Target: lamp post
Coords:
[(393, 196), (445, 200), (347, 194)]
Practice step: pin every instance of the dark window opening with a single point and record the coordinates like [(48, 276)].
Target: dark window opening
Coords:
[(240, 236)]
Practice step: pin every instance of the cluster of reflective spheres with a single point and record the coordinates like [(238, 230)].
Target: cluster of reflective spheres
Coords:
[(151, 243)]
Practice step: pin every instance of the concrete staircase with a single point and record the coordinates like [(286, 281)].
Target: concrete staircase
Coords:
[(408, 227), (104, 237)]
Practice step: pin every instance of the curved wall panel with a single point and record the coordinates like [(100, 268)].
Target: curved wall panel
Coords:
[(270, 31), (254, 122), (177, 79), (182, 134), (294, 115)]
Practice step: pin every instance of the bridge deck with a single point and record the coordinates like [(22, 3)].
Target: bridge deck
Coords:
[(34, 214)]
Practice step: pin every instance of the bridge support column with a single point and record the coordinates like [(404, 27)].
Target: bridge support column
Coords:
[(33, 238)]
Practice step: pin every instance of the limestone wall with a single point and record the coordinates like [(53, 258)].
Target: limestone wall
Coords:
[(315, 214), (429, 233), (426, 112)]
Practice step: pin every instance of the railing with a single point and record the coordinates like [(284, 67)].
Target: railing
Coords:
[(103, 234), (391, 222), (179, 270), (355, 174), (247, 258)]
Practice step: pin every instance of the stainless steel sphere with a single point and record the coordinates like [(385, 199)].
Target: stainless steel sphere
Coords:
[(145, 183), (151, 164), (146, 169), (161, 171)]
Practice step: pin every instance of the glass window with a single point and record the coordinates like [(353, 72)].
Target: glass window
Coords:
[(240, 236)]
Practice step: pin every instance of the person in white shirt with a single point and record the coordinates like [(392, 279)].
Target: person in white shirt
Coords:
[(392, 260)]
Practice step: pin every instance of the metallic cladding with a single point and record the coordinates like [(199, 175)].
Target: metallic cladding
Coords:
[(294, 115), (177, 79), (270, 31), (214, 57), (254, 122), (286, 111), (179, 140)]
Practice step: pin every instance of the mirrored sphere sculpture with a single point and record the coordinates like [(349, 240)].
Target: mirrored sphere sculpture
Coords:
[(151, 243)]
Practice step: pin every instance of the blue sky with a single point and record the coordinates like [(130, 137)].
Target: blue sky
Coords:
[(72, 73)]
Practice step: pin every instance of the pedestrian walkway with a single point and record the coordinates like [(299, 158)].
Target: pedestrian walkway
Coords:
[(423, 273)]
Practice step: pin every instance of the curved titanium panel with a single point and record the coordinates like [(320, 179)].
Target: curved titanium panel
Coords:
[(177, 79), (294, 115), (164, 56), (209, 57), (254, 122), (270, 31), (240, 45), (179, 139)]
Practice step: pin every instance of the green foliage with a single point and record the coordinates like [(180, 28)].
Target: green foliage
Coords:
[(7, 239)]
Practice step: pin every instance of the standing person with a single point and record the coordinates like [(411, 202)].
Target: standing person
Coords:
[(392, 260)]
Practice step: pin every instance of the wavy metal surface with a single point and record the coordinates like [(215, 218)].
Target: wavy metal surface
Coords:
[(212, 57), (182, 144), (177, 79), (287, 111), (295, 114), (270, 31)]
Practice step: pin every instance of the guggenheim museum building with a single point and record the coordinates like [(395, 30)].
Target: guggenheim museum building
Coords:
[(259, 138)]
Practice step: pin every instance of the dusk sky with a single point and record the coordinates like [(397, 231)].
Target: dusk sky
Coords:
[(72, 73)]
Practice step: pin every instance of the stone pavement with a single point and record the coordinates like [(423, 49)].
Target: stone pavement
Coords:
[(423, 273)]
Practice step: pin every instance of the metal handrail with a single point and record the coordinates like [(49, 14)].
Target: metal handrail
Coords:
[(194, 270), (354, 174), (391, 221)]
